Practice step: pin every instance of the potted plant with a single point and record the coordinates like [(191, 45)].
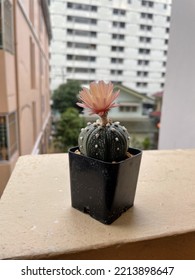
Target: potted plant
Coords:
[(103, 168)]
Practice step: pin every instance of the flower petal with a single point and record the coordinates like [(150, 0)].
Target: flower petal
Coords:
[(99, 98)]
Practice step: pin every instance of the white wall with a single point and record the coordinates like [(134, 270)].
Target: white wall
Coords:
[(178, 112)]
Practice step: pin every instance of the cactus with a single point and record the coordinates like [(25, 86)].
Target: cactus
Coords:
[(104, 140)]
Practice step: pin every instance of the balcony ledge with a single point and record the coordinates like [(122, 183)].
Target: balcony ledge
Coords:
[(38, 222)]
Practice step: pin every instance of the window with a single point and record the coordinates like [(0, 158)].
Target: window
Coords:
[(119, 12), (84, 33), (144, 51), (147, 3), (81, 58), (3, 139), (32, 64), (6, 26), (167, 30), (117, 49), (8, 136), (31, 11), (82, 82), (12, 134), (166, 41), (118, 24), (80, 70), (82, 20), (145, 39), (81, 45), (118, 36), (168, 19), (142, 73), (141, 84), (116, 72), (34, 114), (163, 74), (1, 27), (162, 85), (41, 64), (128, 108), (164, 63), (146, 16), (83, 7), (116, 60), (41, 20), (145, 27), (143, 62), (165, 52)]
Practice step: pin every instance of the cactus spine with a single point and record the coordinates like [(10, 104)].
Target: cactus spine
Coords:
[(104, 140)]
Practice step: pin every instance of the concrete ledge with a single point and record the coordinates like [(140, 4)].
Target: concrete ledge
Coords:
[(37, 221)]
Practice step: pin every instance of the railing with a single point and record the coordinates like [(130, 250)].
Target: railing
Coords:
[(38, 222)]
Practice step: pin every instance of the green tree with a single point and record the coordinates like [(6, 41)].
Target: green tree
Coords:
[(68, 129), (65, 96)]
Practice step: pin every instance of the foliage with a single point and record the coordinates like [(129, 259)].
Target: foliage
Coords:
[(65, 96), (68, 128), (134, 142), (146, 143)]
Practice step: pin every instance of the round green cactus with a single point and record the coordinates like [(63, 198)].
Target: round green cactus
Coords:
[(108, 143), (102, 139)]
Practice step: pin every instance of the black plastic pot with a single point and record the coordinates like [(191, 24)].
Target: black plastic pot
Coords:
[(103, 190)]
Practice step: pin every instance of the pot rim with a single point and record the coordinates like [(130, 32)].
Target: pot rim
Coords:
[(72, 150)]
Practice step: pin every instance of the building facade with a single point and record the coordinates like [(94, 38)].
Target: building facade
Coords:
[(121, 41), (25, 33)]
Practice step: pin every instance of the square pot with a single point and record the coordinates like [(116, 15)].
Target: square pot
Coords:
[(104, 190)]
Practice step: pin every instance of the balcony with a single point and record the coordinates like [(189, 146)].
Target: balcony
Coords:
[(37, 221)]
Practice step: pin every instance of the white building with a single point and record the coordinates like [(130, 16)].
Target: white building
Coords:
[(124, 41)]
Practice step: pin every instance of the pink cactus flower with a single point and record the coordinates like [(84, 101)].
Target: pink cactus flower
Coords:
[(99, 98)]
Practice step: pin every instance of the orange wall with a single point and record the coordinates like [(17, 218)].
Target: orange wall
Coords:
[(16, 92), (31, 116)]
